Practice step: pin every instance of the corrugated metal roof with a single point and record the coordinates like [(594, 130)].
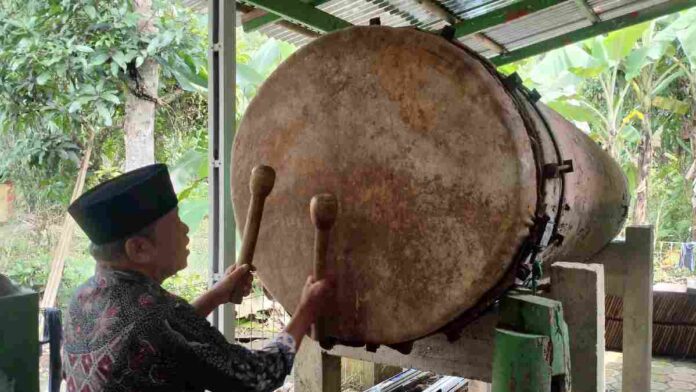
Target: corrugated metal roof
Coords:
[(466, 9), (538, 26), (517, 33)]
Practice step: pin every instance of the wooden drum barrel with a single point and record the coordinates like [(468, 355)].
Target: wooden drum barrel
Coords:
[(451, 179)]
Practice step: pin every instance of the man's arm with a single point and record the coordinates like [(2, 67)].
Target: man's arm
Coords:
[(213, 363), (314, 294), (220, 293)]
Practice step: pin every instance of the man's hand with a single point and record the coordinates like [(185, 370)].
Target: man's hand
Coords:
[(314, 297), (235, 278)]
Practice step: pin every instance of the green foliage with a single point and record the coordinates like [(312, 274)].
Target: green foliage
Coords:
[(256, 59), (188, 176), (64, 68), (187, 285), (624, 87), (31, 273), (670, 195), (40, 163)]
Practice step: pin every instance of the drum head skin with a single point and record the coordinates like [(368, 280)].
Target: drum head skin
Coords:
[(428, 158)]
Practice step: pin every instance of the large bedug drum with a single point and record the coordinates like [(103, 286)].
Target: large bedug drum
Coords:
[(450, 180)]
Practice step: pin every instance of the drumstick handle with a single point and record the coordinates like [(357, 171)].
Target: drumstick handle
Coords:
[(251, 230), (322, 209), (260, 184)]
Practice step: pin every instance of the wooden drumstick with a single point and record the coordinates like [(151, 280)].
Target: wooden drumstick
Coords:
[(260, 184), (322, 210)]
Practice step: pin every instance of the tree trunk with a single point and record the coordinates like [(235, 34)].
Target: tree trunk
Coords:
[(141, 96), (691, 175), (645, 152)]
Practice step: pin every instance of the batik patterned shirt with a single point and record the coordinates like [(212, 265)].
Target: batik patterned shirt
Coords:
[(124, 332)]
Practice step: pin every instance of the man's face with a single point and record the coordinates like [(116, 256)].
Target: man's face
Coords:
[(171, 240)]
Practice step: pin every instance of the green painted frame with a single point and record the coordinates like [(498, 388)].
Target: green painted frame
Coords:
[(308, 15), (469, 26)]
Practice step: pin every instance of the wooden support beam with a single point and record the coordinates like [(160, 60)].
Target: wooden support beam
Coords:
[(540, 316), (586, 9), (469, 357), (520, 362), (580, 288), (637, 310), (532, 352), (315, 370)]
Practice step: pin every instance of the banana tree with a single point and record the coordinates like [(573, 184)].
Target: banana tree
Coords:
[(684, 29), (649, 75), (610, 83)]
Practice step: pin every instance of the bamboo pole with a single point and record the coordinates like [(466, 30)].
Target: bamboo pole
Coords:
[(60, 251)]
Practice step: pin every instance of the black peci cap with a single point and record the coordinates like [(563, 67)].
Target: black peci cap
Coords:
[(125, 204)]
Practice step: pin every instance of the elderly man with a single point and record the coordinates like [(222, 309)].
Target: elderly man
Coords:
[(124, 332)]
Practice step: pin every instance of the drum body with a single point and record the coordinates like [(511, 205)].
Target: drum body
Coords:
[(449, 179)]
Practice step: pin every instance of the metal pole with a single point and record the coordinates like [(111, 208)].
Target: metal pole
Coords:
[(221, 120)]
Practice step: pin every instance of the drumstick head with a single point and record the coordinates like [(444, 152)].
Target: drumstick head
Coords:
[(323, 209), (262, 180)]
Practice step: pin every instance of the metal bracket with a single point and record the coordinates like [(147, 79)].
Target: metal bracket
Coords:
[(554, 170), (216, 277), (534, 96), (447, 32), (217, 163), (512, 81), (216, 47)]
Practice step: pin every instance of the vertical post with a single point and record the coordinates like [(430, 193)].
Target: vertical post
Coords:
[(378, 373), (315, 370), (221, 128), (580, 289), (637, 309)]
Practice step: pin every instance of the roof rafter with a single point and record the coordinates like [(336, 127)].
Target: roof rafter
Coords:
[(501, 15), (302, 13), (444, 14), (603, 27), (258, 22), (585, 7)]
